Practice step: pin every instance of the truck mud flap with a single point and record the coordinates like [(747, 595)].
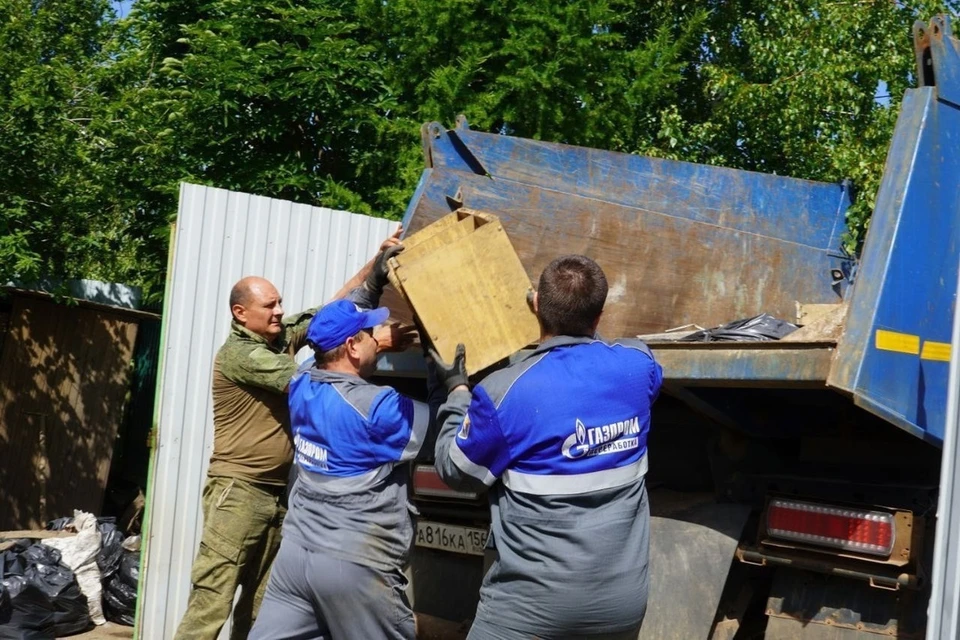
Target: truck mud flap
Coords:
[(811, 606), (691, 551)]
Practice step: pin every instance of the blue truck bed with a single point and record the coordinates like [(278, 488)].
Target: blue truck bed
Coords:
[(684, 243)]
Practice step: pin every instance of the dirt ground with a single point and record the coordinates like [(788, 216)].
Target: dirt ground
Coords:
[(109, 631)]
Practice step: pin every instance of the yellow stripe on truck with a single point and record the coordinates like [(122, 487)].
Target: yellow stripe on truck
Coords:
[(899, 342), (936, 351)]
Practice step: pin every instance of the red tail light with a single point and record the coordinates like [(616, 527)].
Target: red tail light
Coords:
[(870, 532), (426, 482)]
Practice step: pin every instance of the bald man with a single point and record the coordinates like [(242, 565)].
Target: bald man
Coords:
[(243, 499)]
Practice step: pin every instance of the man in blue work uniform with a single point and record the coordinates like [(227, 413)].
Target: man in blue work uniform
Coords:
[(348, 531), (560, 438)]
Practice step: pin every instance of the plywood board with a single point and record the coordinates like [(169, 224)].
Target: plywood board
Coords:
[(472, 290), (64, 376), (442, 232)]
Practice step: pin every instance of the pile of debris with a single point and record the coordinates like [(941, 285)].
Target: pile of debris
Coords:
[(80, 572)]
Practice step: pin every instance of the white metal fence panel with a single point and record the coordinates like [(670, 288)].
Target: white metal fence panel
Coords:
[(943, 611), (221, 236)]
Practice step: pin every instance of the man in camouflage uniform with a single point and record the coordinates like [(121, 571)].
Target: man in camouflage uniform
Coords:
[(244, 497)]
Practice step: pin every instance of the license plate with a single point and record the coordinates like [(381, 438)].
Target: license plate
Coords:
[(446, 537)]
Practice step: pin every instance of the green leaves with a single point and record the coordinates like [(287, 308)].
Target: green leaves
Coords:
[(52, 204), (321, 101), (789, 88)]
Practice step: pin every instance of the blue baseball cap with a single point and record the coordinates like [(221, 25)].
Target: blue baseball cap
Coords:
[(340, 320)]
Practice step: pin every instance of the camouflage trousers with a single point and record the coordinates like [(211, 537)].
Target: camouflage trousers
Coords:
[(241, 535)]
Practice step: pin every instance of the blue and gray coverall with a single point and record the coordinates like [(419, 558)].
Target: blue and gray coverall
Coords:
[(560, 438), (349, 527)]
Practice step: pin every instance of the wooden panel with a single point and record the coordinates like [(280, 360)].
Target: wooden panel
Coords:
[(471, 290), (64, 376), (443, 231)]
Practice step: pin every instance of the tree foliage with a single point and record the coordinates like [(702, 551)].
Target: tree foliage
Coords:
[(791, 88), (320, 101), (55, 205)]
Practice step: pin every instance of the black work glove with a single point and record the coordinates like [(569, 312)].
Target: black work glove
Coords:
[(377, 278), (451, 375)]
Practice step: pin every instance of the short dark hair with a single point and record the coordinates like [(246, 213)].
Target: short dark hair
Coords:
[(324, 358), (570, 296)]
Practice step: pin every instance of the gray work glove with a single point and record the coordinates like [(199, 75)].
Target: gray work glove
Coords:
[(451, 375), (377, 278)]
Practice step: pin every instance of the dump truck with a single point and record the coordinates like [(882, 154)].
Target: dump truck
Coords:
[(793, 482)]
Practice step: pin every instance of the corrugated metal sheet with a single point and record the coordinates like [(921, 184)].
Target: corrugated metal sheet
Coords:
[(221, 236)]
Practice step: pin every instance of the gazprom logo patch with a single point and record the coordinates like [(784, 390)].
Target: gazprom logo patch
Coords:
[(575, 446), (310, 453), (617, 436)]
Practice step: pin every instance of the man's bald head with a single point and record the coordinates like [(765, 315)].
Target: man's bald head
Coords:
[(245, 288), (256, 304)]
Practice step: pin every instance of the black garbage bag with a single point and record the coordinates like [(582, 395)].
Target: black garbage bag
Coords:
[(31, 612), (45, 602), (6, 609), (111, 550), (120, 592), (12, 562), (60, 523), (756, 329), (119, 602), (40, 554), (25, 553), (130, 568)]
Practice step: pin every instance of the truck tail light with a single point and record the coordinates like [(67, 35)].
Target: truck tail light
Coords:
[(426, 482), (869, 532)]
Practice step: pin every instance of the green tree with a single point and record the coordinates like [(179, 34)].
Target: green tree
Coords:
[(584, 72), (272, 98), (55, 213), (321, 101), (791, 88)]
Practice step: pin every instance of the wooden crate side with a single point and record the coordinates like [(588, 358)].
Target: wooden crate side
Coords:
[(441, 225), (435, 241), (473, 291)]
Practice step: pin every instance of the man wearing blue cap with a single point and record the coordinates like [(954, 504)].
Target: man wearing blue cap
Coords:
[(244, 496), (347, 535)]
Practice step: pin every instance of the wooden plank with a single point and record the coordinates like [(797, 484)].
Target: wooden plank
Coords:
[(35, 534), (436, 241), (824, 325), (435, 236), (487, 311), (64, 376), (808, 313), (9, 538), (443, 231)]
